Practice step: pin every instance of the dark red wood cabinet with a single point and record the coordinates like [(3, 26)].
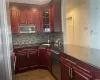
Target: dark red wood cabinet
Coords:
[(65, 68), (27, 59), (38, 19), (81, 75), (96, 73), (48, 58), (14, 15), (21, 61), (72, 70), (23, 14), (51, 18), (24, 17), (42, 57), (31, 17), (33, 58), (45, 58)]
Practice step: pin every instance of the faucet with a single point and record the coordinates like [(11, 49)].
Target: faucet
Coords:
[(48, 39)]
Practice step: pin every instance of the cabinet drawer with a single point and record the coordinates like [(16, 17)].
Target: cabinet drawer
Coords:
[(81, 73), (83, 66), (77, 64)]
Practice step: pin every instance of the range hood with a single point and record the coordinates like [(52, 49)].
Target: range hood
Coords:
[(37, 2)]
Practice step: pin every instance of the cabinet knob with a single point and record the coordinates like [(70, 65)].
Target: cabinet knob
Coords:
[(27, 55)]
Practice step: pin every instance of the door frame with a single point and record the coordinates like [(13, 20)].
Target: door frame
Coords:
[(6, 41)]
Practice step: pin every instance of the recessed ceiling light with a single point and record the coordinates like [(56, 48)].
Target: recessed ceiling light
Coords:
[(46, 12)]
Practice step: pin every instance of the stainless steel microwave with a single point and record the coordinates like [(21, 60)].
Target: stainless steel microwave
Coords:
[(27, 29)]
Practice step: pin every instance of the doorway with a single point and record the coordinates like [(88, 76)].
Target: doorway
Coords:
[(69, 30)]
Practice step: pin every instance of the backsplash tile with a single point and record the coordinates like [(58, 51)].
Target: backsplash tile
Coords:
[(24, 39)]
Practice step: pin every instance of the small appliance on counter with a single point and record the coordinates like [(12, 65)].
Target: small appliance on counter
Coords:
[(46, 28)]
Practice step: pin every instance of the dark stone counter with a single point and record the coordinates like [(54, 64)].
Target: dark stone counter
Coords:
[(84, 54)]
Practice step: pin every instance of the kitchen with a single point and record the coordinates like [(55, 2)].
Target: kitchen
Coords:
[(34, 37), (53, 40)]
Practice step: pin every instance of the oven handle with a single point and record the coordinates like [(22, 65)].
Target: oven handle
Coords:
[(55, 52)]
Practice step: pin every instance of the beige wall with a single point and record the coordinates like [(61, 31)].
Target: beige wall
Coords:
[(81, 23), (86, 30)]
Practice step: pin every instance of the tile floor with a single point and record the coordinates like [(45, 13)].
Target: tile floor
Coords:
[(38, 74)]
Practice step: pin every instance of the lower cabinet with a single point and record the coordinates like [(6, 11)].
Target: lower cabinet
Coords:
[(45, 58), (21, 62), (48, 58), (42, 57), (65, 71), (32, 58), (80, 75), (70, 70), (26, 59), (96, 73)]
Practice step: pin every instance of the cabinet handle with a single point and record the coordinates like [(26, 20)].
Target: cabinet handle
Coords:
[(27, 55), (71, 73), (27, 22), (15, 63)]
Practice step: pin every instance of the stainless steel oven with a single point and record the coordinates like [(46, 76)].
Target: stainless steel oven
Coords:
[(56, 64)]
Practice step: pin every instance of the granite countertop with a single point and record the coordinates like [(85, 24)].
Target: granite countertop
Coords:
[(39, 45), (25, 46), (87, 55), (79, 52)]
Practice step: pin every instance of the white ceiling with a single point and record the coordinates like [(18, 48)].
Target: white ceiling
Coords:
[(38, 2)]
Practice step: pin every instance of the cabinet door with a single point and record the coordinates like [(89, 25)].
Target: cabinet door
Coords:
[(14, 21), (38, 20), (31, 17), (65, 71), (96, 73), (21, 62), (33, 59), (80, 75), (23, 17), (48, 59), (51, 17), (42, 57), (57, 15)]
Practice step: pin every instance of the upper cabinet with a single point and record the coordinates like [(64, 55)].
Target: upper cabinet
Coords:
[(14, 20), (56, 15), (38, 20), (52, 17), (45, 19), (26, 17), (30, 16), (22, 17), (51, 10)]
